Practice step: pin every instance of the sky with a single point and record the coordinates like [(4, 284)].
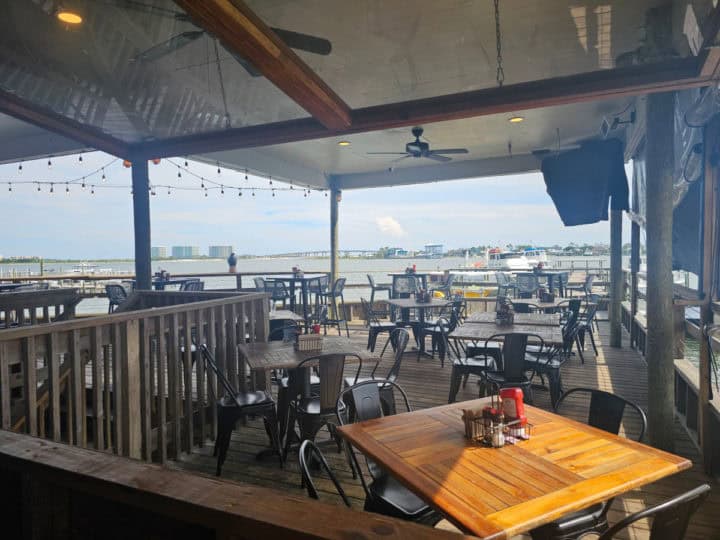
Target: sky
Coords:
[(82, 225)]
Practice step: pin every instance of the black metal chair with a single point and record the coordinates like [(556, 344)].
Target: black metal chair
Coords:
[(374, 325), (331, 298), (445, 287), (313, 410), (670, 519), (606, 412), (116, 295), (192, 285), (585, 323), (375, 287), (506, 286), (527, 285), (310, 453), (585, 288), (398, 339), (562, 279), (468, 361), (513, 370), (448, 320), (522, 307), (317, 287), (276, 289), (233, 406), (383, 493)]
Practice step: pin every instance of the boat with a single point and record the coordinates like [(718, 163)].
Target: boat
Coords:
[(498, 259)]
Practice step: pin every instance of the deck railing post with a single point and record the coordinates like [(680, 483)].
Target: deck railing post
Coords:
[(659, 346), (141, 221), (335, 197)]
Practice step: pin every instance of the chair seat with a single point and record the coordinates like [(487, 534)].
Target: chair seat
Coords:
[(499, 378), (311, 405), (391, 491), (379, 326), (475, 362), (248, 399)]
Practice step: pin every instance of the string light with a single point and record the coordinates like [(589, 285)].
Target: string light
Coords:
[(273, 192), (80, 158), (52, 188), (222, 190), (239, 192), (92, 190), (179, 173), (38, 187), (218, 166), (49, 163), (103, 175), (83, 183), (326, 194), (67, 188), (270, 179), (246, 175), (253, 192), (206, 191), (20, 168), (168, 190), (291, 185), (10, 186), (186, 163), (202, 183)]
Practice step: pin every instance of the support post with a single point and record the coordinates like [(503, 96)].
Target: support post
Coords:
[(634, 269), (617, 283), (141, 221), (335, 198), (707, 278), (659, 353)]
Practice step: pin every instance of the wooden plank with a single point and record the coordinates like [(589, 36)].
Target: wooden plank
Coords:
[(131, 401), (174, 374), (98, 384), (5, 415), (107, 391), (147, 365), (211, 377), (78, 390), (201, 398), (53, 358), (241, 31), (231, 320), (162, 367), (117, 389), (187, 382), (29, 384)]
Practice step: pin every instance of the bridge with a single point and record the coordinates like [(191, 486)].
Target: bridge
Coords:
[(326, 253)]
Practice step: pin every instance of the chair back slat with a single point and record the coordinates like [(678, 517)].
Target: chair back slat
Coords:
[(330, 371), (366, 400), (513, 352), (606, 412), (404, 286)]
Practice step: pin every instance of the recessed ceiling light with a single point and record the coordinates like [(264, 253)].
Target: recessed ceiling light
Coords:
[(516, 119), (344, 143), (68, 17)]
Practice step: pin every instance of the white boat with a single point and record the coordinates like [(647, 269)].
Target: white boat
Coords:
[(515, 260)]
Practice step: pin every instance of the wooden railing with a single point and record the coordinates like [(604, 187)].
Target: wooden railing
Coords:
[(33, 307), (54, 491), (129, 382)]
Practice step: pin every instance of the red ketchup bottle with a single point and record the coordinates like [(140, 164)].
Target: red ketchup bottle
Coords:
[(512, 403)]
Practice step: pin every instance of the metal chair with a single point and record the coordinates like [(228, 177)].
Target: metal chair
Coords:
[(383, 493), (527, 285), (374, 287), (448, 320), (606, 412), (670, 519), (192, 285), (310, 452), (506, 286), (331, 297), (276, 289), (445, 287), (116, 295), (233, 406), (512, 369), (374, 324), (318, 287), (469, 361), (585, 288), (522, 307)]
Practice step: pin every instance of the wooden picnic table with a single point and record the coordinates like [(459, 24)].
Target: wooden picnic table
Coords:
[(535, 319), (496, 493)]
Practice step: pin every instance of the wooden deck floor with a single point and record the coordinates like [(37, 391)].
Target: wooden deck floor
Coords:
[(618, 370)]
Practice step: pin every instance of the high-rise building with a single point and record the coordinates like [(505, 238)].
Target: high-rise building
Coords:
[(158, 252), (219, 252), (185, 252)]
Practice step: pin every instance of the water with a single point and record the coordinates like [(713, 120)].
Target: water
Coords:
[(355, 270)]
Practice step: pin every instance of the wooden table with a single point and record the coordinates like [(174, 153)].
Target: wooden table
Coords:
[(303, 280), (406, 304), (554, 278), (496, 493), (551, 335), (263, 357), (535, 319)]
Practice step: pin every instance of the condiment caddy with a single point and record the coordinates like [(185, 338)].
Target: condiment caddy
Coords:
[(502, 422)]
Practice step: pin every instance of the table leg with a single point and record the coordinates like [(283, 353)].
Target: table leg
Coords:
[(304, 294), (292, 295)]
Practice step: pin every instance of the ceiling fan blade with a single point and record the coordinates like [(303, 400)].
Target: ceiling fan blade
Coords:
[(304, 42), (436, 157), (245, 64), (166, 47), (149, 8), (414, 147), (450, 151), (400, 158), (388, 154)]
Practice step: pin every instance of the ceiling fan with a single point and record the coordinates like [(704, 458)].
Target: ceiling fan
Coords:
[(418, 149), (295, 40)]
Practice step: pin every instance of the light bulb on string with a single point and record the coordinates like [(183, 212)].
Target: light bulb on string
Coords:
[(239, 192), (291, 185), (179, 173), (218, 168), (168, 190), (49, 163), (92, 190), (83, 183), (67, 188), (103, 176), (10, 186), (20, 168), (52, 188), (186, 163), (38, 188), (253, 192), (206, 192), (270, 180), (222, 189), (246, 175), (326, 194), (202, 183), (273, 192), (80, 158)]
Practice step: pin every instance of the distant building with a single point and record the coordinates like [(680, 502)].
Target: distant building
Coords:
[(219, 252), (395, 252), (158, 252), (185, 252), (434, 250)]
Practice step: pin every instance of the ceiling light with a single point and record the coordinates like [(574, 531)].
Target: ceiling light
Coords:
[(344, 143), (516, 119), (68, 17)]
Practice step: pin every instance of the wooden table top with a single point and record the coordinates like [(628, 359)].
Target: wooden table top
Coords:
[(535, 319), (294, 277), (496, 493), (262, 356), (284, 315), (407, 303), (551, 335)]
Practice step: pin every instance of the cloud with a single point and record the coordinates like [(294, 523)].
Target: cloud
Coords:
[(389, 225)]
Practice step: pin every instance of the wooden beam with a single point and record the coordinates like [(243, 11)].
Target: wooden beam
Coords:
[(62, 125), (659, 350), (241, 31), (597, 85), (617, 282)]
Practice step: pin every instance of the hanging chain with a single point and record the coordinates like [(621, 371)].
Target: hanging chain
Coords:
[(500, 76)]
